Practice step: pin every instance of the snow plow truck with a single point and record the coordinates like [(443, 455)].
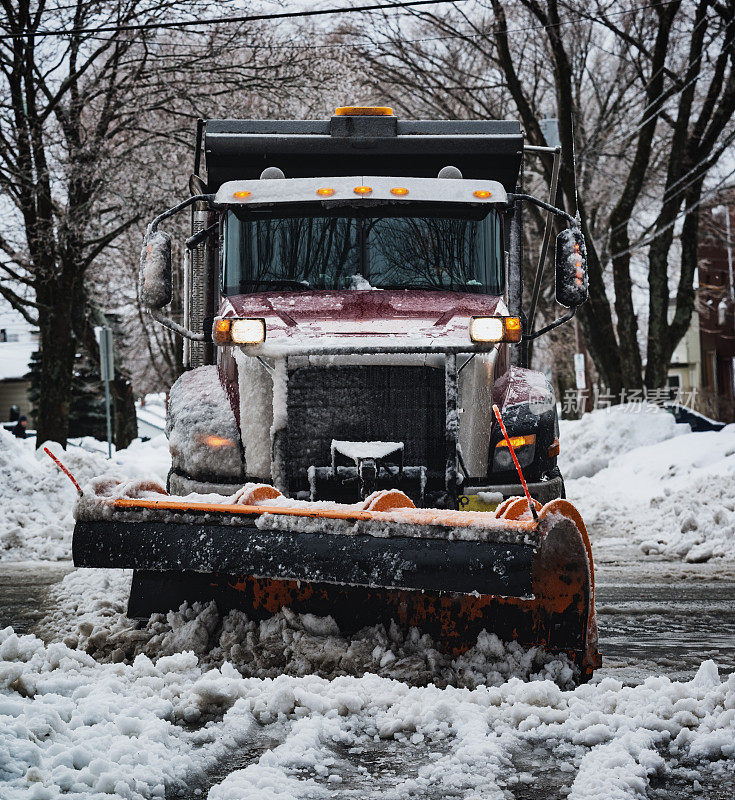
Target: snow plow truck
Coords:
[(357, 432)]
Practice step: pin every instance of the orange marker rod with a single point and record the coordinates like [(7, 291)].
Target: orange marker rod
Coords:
[(531, 504), (64, 470)]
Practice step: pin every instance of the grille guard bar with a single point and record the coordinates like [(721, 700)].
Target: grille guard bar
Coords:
[(368, 346)]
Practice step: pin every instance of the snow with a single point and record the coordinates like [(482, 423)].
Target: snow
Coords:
[(155, 270), (151, 415), (590, 443), (90, 615), (288, 707), (359, 450), (256, 414), (647, 481), (37, 499), (201, 427), (71, 723)]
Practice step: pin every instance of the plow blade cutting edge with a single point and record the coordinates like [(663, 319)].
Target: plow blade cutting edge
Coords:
[(451, 574)]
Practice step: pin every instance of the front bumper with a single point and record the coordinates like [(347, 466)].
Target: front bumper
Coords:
[(471, 498)]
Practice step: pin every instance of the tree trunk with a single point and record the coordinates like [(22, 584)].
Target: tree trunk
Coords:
[(57, 360)]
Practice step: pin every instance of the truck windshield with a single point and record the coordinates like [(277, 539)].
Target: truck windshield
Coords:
[(363, 248)]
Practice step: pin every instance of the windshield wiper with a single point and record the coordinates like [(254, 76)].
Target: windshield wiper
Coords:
[(282, 282)]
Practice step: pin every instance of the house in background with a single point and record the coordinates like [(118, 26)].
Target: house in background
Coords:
[(716, 304), (18, 342), (685, 370)]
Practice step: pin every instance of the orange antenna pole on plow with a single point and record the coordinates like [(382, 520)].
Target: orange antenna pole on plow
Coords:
[(65, 470), (531, 504)]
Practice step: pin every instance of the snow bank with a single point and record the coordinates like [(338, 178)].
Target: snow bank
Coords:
[(674, 498), (89, 614), (69, 724), (37, 499), (590, 443)]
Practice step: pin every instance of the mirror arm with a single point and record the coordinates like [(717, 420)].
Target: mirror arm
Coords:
[(198, 238), (197, 198), (555, 324), (546, 206), (174, 326)]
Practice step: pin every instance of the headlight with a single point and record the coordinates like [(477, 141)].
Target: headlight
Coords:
[(238, 331), (495, 329)]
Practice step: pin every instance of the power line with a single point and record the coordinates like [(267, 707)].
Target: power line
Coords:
[(145, 26), (336, 45)]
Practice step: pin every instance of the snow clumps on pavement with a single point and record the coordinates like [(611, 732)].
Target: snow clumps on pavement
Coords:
[(89, 614), (651, 484), (37, 499), (69, 724)]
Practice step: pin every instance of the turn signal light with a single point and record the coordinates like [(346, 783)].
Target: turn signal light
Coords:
[(518, 441), (218, 441), (495, 329), (483, 194), (238, 331), (221, 331), (325, 191), (241, 195), (399, 190), (553, 451), (362, 189)]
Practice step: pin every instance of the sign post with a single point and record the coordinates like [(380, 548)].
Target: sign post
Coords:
[(107, 373), (579, 371)]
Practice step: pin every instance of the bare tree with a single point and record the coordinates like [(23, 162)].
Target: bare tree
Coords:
[(645, 102), (77, 112)]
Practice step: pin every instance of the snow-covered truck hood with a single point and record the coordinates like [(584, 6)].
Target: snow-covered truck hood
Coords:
[(360, 318)]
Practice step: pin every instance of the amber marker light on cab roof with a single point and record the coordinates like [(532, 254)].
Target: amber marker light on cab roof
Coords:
[(399, 190), (362, 189), (363, 111), (325, 191), (483, 194), (495, 329), (241, 195)]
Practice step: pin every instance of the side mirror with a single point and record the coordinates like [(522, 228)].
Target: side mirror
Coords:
[(572, 285), (154, 279)]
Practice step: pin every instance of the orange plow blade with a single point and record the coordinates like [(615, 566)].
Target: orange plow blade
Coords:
[(450, 574)]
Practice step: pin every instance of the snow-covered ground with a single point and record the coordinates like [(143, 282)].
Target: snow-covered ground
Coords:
[(76, 726), (191, 704)]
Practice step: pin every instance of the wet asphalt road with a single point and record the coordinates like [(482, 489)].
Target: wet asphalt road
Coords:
[(647, 626)]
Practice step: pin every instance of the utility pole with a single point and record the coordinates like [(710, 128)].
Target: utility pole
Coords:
[(107, 373)]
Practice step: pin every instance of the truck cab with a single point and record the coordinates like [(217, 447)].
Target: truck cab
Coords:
[(353, 310)]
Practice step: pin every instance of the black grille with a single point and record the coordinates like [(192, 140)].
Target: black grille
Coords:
[(364, 403)]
